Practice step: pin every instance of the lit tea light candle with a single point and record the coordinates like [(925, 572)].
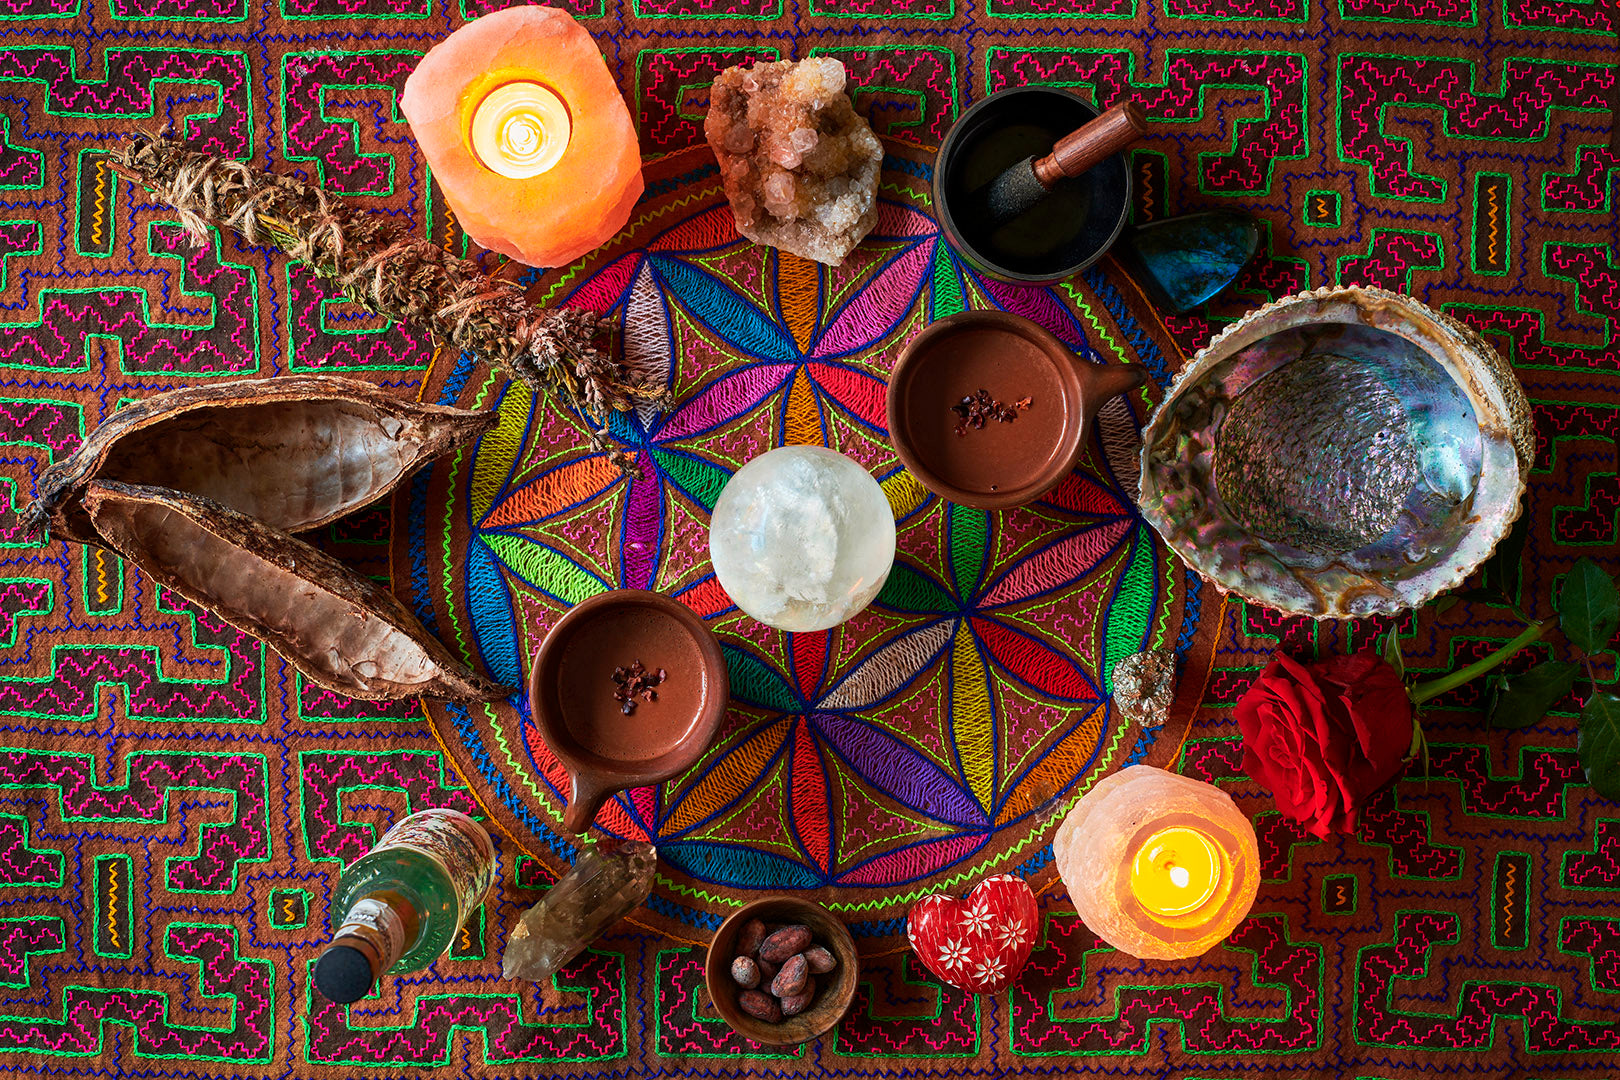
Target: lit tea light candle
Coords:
[(527, 134), (1176, 871), (1159, 866), (520, 130)]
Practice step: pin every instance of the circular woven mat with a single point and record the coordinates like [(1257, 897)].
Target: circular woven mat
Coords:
[(936, 737)]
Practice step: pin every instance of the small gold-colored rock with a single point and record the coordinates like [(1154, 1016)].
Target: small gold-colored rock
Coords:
[(1144, 686)]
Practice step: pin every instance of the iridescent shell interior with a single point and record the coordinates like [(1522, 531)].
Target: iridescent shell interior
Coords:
[(1339, 453)]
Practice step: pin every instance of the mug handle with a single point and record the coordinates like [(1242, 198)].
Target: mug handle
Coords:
[(585, 799)]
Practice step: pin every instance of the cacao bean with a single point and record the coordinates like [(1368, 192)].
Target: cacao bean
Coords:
[(744, 972), (752, 933), (793, 1006), (767, 972), (784, 943), (790, 980), (296, 451), (343, 631), (820, 959), (760, 1006)]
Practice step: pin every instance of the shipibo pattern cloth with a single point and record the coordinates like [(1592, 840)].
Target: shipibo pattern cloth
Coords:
[(177, 803)]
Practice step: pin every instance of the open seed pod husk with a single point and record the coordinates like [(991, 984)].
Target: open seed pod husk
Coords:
[(1343, 452), (295, 452), (342, 630)]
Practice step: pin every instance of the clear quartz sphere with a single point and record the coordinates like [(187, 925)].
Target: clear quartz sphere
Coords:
[(802, 538)]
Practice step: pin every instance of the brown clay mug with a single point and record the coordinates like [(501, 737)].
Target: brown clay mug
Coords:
[(1001, 464), (572, 695)]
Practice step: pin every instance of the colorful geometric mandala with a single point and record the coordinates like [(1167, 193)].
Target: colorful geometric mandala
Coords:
[(930, 740)]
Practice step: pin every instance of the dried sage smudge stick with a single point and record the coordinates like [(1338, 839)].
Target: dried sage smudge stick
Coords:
[(393, 274)]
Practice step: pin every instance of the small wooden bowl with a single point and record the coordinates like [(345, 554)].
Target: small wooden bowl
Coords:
[(832, 999), (571, 695)]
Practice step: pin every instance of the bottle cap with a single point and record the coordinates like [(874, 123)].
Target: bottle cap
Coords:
[(343, 974)]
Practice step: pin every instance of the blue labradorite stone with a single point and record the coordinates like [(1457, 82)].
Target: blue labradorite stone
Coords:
[(1186, 260)]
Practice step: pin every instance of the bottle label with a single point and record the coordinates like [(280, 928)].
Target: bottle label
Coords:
[(457, 843), (375, 920)]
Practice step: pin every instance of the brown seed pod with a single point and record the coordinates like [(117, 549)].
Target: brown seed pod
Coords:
[(820, 959), (753, 932), (791, 979), (744, 972), (794, 1004), (784, 943), (343, 631), (295, 452), (760, 1006)]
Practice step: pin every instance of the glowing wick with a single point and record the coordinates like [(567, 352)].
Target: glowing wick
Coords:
[(520, 130), (1175, 871)]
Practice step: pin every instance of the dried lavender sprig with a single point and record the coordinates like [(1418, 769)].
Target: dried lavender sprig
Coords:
[(395, 275)]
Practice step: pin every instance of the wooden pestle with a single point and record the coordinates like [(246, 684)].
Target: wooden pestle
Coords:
[(1026, 183)]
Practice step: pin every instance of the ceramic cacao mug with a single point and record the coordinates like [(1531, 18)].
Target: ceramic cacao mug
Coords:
[(1054, 395), (576, 705)]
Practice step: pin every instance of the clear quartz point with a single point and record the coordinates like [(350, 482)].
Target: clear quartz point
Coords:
[(605, 885)]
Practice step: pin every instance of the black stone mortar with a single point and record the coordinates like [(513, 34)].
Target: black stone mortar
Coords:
[(1063, 234)]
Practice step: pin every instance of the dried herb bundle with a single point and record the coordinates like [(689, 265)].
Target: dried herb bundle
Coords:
[(295, 452), (392, 274), (343, 631)]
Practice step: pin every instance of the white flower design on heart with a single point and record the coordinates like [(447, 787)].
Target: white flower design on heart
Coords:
[(1011, 934), (954, 954), (989, 970), (980, 918)]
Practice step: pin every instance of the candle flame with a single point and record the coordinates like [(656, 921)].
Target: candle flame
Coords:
[(520, 130), (1176, 871)]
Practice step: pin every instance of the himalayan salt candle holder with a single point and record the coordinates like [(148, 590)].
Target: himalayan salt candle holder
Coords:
[(527, 134), (1159, 866)]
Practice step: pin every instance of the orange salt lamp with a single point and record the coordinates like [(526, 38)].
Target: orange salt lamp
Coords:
[(527, 134), (1159, 866)]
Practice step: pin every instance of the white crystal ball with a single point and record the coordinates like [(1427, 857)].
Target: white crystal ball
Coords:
[(802, 538)]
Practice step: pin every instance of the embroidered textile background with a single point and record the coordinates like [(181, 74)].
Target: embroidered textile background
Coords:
[(176, 803)]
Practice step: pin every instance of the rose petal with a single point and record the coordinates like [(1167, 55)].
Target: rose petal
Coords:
[(1301, 678), (1351, 670)]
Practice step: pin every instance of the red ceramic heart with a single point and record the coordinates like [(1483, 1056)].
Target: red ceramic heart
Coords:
[(979, 942)]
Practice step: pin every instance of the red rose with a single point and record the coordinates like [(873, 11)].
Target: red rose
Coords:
[(1324, 736)]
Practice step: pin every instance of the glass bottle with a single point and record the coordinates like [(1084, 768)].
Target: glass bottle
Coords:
[(398, 907)]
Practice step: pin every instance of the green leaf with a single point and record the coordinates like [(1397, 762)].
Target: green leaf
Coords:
[(1588, 607), (1420, 743), (1445, 603), (1520, 700), (1392, 653), (1599, 744), (1504, 570)]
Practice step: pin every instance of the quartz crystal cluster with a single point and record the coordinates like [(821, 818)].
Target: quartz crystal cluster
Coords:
[(799, 165), (603, 887)]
